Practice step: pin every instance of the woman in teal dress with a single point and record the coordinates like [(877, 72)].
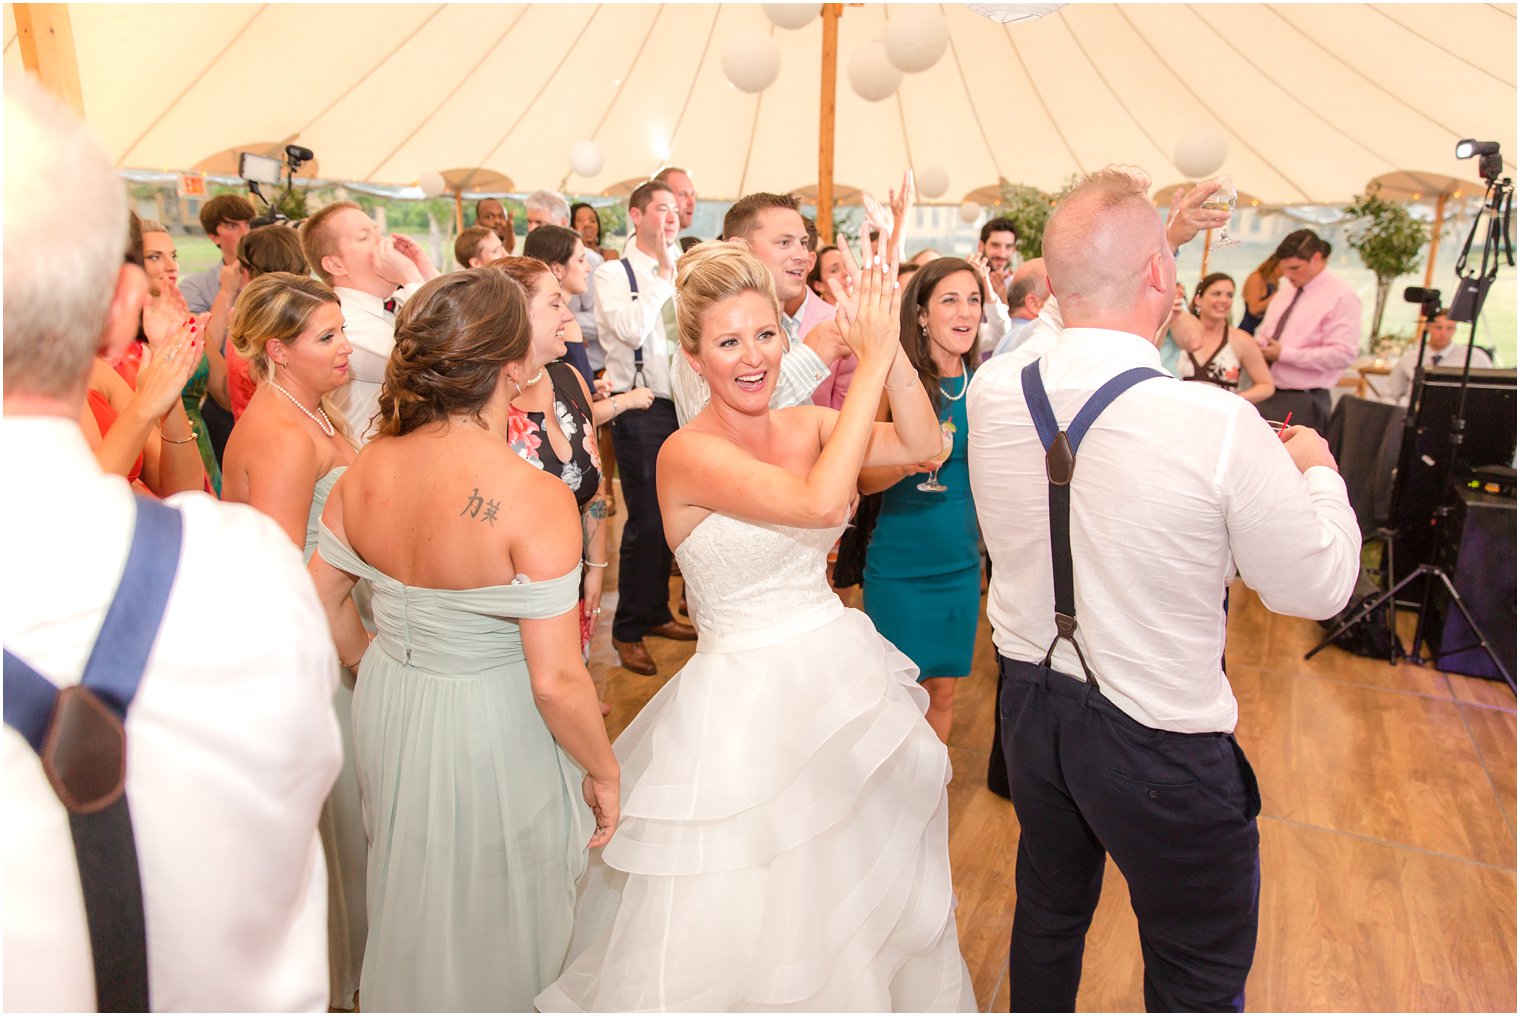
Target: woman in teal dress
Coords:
[(923, 574), (476, 726), (283, 457)]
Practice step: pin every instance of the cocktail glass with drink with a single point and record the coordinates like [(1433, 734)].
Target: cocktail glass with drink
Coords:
[(1223, 200), (947, 444)]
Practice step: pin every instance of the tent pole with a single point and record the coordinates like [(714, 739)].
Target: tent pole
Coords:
[(826, 97), (47, 50), (459, 209), (1435, 239)]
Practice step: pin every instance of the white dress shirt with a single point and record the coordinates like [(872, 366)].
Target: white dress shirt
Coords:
[(625, 322), (1176, 486), (1397, 389), (371, 330), (231, 741), (1019, 329), (800, 373), (583, 306), (994, 327)]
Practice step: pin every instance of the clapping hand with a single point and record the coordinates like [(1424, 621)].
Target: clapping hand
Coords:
[(1189, 217), (167, 363), (991, 280), (872, 309)]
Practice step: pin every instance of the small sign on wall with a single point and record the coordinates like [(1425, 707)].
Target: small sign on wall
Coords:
[(192, 185)]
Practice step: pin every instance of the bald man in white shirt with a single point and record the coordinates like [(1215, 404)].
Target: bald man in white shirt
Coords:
[(230, 740), (1117, 717)]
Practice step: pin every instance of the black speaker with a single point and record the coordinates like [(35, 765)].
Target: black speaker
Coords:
[(1489, 439), (1477, 549)]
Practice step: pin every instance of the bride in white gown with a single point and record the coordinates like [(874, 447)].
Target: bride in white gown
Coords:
[(784, 840)]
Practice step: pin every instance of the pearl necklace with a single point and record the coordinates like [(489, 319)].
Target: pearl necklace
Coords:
[(966, 374), (535, 379), (319, 417)]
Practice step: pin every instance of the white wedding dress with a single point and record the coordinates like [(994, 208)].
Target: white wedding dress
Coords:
[(783, 842)]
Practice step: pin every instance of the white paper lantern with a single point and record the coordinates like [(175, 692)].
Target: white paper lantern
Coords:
[(871, 74), (1013, 14), (432, 183), (791, 16), (587, 158), (932, 182), (970, 211), (916, 38), (1199, 152), (751, 61)]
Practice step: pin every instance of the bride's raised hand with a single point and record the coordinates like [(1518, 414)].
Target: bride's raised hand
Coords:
[(874, 332), (846, 286)]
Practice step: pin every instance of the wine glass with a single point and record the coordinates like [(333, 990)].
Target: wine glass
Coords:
[(1223, 200), (947, 443)]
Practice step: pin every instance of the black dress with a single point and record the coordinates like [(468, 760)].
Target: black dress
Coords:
[(582, 472)]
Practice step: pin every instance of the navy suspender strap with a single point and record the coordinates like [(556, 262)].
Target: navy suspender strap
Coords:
[(638, 352), (79, 734), (1060, 463)]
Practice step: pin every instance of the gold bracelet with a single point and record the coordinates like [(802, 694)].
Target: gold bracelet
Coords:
[(913, 381), (194, 434)]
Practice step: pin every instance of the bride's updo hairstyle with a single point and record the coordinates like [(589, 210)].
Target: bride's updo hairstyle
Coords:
[(710, 273), (453, 337)]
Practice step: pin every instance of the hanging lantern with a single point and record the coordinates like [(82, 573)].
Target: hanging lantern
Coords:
[(751, 61), (932, 182), (916, 38), (432, 183), (1013, 14), (587, 158), (791, 16), (1199, 153), (970, 211), (871, 74)]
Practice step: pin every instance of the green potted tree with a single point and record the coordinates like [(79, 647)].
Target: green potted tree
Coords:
[(1389, 241)]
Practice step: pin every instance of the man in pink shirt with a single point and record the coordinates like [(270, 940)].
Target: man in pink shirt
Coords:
[(1310, 334)]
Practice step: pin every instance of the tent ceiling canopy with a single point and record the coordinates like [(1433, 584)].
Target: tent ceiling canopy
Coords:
[(1311, 100)]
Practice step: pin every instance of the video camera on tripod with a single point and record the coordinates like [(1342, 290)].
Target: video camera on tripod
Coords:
[(1428, 509), (265, 169)]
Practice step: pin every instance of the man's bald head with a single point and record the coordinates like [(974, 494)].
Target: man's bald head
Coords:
[(1106, 254), (65, 244), (1028, 290)]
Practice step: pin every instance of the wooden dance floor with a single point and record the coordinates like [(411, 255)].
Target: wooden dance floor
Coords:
[(1387, 826)]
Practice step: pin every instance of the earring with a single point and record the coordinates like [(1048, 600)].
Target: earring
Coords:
[(702, 381)]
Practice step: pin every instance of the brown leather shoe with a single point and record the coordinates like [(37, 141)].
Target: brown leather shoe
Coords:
[(633, 656), (678, 630)]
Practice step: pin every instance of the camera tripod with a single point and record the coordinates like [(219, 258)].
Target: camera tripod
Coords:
[(1498, 203)]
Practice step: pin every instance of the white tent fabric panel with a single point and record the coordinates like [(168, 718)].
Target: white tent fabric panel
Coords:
[(1313, 100)]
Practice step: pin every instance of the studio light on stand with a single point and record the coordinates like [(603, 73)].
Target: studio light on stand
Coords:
[(265, 169)]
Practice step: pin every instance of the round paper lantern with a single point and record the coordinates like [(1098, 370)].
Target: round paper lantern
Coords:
[(916, 38), (1199, 153), (587, 158), (871, 74), (751, 61), (970, 211), (791, 16), (932, 182), (432, 183)]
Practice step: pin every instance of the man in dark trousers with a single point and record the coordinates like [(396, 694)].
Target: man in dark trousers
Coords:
[(1111, 554)]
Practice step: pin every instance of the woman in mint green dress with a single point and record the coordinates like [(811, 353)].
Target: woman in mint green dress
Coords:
[(283, 457), (477, 735)]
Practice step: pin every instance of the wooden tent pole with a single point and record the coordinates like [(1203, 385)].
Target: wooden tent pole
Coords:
[(47, 50), (1435, 239), (826, 96), (459, 209)]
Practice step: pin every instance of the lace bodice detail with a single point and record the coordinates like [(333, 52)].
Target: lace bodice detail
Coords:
[(745, 575)]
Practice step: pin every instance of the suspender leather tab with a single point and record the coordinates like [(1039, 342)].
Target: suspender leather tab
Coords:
[(638, 352), (79, 734), (1060, 465)]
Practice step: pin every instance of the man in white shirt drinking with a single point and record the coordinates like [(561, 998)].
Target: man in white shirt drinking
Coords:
[(1117, 717)]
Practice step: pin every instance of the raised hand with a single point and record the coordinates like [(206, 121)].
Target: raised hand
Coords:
[(163, 315), (167, 366), (413, 252), (847, 294), (1189, 217), (874, 332), (392, 265)]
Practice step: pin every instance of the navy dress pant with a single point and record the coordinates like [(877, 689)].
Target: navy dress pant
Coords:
[(643, 556), (1176, 811)]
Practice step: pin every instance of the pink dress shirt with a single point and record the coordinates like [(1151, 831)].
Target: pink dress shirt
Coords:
[(1323, 334), (814, 311)]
